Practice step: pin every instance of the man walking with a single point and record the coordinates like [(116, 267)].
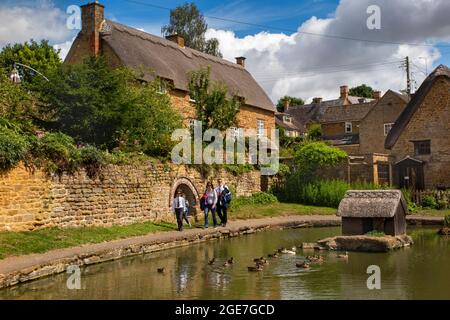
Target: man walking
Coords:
[(224, 199), (178, 207)]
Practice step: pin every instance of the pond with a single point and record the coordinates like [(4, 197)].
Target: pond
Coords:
[(419, 272)]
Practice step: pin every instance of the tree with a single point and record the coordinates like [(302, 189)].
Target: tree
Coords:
[(187, 21), (213, 106), (39, 56), (98, 105), (363, 91), (293, 101), (315, 132)]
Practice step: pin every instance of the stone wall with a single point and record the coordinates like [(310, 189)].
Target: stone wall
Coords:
[(120, 195)]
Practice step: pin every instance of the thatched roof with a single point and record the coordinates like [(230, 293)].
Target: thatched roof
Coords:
[(371, 204), (415, 103), (137, 49)]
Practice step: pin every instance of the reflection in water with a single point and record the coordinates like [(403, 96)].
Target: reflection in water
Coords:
[(419, 272)]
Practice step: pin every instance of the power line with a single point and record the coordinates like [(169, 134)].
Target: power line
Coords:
[(297, 31)]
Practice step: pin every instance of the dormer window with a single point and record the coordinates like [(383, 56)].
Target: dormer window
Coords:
[(162, 86), (287, 119)]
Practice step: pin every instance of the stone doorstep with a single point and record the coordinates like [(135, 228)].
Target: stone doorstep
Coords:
[(21, 269)]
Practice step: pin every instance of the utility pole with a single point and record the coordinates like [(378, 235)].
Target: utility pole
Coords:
[(408, 76)]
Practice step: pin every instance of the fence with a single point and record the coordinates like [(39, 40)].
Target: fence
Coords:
[(439, 195)]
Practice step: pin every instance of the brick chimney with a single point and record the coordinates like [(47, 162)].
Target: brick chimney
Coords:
[(176, 38), (286, 105), (377, 95), (241, 61), (317, 100), (92, 17), (344, 92)]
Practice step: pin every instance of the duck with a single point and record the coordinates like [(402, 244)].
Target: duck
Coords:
[(343, 256), (292, 251), (255, 268), (161, 270), (315, 259), (229, 262), (211, 262), (270, 256), (304, 265)]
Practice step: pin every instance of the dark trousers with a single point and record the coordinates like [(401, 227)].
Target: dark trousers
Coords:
[(179, 213), (222, 212)]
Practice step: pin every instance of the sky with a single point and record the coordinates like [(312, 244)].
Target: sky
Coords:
[(302, 48)]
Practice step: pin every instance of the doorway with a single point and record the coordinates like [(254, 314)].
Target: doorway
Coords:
[(411, 174)]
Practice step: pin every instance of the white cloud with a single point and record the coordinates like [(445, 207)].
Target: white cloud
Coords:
[(299, 64), (20, 23), (64, 48)]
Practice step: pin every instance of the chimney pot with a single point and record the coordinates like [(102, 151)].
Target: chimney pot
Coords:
[(344, 92), (286, 104), (317, 100), (241, 61), (377, 95), (176, 38)]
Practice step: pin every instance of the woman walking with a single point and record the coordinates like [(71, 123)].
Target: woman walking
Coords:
[(208, 203)]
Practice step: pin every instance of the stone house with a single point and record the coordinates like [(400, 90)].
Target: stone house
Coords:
[(419, 139), (170, 61)]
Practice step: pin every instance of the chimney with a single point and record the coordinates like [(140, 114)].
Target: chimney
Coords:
[(344, 92), (241, 61), (317, 100), (92, 17), (377, 95), (176, 38), (286, 104)]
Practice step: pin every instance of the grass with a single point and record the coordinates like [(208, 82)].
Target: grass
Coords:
[(432, 212), (277, 210), (38, 241)]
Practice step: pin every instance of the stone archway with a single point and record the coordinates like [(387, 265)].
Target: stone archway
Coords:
[(187, 187)]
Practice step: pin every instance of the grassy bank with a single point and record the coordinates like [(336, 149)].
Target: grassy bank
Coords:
[(22, 243), (278, 209), (432, 212)]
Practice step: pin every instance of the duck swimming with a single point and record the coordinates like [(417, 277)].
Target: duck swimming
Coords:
[(304, 265)]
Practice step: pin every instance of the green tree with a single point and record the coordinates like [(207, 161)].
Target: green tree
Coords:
[(293, 101), (213, 106), (38, 55), (315, 131), (188, 21), (363, 91), (16, 103), (98, 105)]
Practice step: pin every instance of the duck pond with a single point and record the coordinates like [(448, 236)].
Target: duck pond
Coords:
[(417, 272)]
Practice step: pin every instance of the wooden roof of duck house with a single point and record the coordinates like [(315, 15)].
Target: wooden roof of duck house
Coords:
[(371, 204)]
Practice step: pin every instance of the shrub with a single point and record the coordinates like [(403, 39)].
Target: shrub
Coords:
[(447, 221), (259, 198), (59, 153), (442, 205), (429, 202), (412, 206), (13, 148), (92, 160), (375, 233)]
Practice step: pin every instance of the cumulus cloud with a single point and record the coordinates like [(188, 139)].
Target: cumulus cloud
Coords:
[(23, 21), (310, 66)]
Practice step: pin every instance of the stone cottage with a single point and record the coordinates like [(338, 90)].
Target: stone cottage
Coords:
[(419, 139), (170, 61)]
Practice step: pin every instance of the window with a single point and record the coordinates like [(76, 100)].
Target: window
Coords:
[(162, 86), (422, 147), (260, 127), (348, 127), (287, 119), (383, 173), (236, 132), (387, 128)]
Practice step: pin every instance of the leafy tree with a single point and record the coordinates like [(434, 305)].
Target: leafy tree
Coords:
[(315, 131), (293, 101), (39, 56), (213, 106), (363, 91), (101, 106), (187, 20), (16, 102)]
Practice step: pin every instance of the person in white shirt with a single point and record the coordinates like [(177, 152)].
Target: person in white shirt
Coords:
[(222, 207), (178, 207)]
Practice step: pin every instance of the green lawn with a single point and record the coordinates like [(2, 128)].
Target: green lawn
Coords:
[(278, 209), (21, 243), (432, 212)]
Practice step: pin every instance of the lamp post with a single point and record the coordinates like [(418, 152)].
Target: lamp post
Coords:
[(15, 77)]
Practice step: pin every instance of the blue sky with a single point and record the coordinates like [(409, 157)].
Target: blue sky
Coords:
[(278, 56)]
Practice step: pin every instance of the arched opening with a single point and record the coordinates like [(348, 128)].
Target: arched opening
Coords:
[(189, 191)]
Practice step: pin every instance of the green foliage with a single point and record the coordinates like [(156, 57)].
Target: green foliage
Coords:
[(412, 206), (212, 104), (447, 221), (255, 199), (293, 101), (92, 159), (284, 170), (238, 169), (429, 202), (13, 147), (187, 21), (442, 205), (376, 233), (39, 56), (317, 155), (315, 132), (363, 91)]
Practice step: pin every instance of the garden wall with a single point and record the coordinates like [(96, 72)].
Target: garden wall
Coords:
[(118, 195)]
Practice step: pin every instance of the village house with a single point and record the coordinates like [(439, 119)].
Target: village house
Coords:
[(170, 61), (419, 139)]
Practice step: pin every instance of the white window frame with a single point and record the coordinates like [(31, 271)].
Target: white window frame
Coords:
[(260, 128), (236, 132), (387, 128), (348, 127), (287, 119)]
